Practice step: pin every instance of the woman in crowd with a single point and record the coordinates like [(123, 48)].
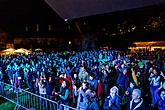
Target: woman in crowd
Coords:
[(154, 84), (112, 102), (64, 95)]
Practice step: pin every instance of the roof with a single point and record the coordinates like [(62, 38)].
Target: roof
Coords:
[(70, 9), (17, 14)]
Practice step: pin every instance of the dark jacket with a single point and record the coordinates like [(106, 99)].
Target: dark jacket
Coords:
[(137, 106), (160, 102), (123, 80)]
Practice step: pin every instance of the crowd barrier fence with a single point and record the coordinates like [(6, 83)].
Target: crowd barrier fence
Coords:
[(29, 101)]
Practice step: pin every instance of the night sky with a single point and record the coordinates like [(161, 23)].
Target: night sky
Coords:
[(16, 14)]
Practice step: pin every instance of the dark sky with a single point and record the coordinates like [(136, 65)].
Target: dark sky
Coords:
[(16, 14), (22, 11)]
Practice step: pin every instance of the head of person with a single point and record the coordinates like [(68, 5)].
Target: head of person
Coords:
[(136, 94), (64, 84), (114, 91), (50, 79), (82, 68), (91, 76), (163, 85), (105, 72), (85, 85), (95, 66), (162, 94), (99, 81), (107, 66), (154, 71), (68, 68), (131, 85), (65, 75), (75, 75)]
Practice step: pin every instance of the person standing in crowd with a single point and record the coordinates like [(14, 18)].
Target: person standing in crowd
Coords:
[(154, 84), (99, 93), (26, 77), (74, 94), (17, 78), (128, 95), (42, 90), (64, 77), (83, 74), (36, 86), (105, 81), (1, 82), (83, 101), (49, 92), (75, 85), (95, 71), (56, 78), (69, 70), (10, 73), (122, 80), (160, 97), (93, 102), (137, 102), (112, 102), (64, 95), (92, 82)]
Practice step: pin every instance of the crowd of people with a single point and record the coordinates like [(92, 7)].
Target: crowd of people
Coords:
[(91, 80)]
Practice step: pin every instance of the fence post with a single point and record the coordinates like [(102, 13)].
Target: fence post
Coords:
[(17, 96), (27, 99), (17, 100)]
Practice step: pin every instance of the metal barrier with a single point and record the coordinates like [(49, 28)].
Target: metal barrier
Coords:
[(7, 91), (36, 102), (27, 100), (65, 107)]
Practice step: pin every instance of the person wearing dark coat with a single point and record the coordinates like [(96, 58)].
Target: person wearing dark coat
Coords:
[(160, 97), (137, 103), (122, 81)]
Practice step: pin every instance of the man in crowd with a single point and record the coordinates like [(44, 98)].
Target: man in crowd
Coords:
[(137, 102)]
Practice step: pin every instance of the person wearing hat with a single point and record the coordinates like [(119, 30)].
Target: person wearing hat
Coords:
[(112, 102)]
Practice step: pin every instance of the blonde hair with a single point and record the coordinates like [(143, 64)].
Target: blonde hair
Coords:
[(114, 88)]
